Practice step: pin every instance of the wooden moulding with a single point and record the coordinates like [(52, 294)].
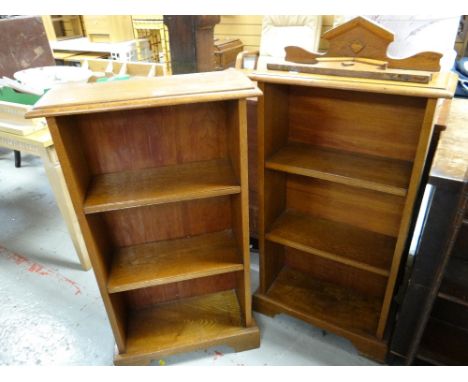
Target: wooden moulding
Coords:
[(358, 49), (144, 92)]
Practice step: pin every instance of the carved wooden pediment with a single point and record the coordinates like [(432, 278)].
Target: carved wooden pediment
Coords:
[(363, 39)]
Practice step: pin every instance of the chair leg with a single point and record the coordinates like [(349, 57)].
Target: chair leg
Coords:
[(17, 158)]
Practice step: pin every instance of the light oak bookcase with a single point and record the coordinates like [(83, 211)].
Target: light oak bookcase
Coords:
[(157, 172), (340, 162)]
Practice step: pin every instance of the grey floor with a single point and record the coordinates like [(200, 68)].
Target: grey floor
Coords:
[(51, 311)]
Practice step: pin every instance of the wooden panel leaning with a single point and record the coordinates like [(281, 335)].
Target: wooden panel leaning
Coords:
[(340, 162), (157, 170)]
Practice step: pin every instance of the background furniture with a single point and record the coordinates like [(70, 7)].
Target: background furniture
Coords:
[(432, 321), (226, 51), (163, 206), (279, 32), (340, 164), (60, 27), (24, 45), (108, 29), (191, 41), (132, 50), (37, 141), (134, 69)]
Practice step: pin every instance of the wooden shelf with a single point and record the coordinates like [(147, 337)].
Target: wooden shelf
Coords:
[(358, 170), (171, 261), (444, 344), (327, 305), (196, 180), (340, 242), (454, 286), (191, 323)]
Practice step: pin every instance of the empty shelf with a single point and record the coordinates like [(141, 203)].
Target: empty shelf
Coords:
[(325, 304), (444, 344), (340, 242), (454, 286), (353, 169), (196, 180), (169, 261), (191, 323)]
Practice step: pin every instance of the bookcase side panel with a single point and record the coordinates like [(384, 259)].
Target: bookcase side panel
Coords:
[(77, 176), (237, 142)]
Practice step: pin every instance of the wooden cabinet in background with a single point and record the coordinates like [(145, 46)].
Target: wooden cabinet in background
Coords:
[(157, 171), (340, 163), (191, 39), (226, 51), (432, 320), (108, 28), (61, 27)]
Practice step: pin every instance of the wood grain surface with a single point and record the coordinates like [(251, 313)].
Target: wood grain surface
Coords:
[(164, 262), (336, 241), (366, 171), (196, 180)]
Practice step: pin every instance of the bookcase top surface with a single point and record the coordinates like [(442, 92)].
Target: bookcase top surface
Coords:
[(442, 85), (80, 98), (451, 158)]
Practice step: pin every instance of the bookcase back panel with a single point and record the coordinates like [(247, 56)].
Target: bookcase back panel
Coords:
[(371, 210), (376, 124), (168, 221), (145, 138), (319, 268), (146, 297)]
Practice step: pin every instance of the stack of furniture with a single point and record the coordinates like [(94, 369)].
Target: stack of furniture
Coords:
[(163, 206), (432, 322), (108, 29), (340, 163), (60, 27), (152, 28)]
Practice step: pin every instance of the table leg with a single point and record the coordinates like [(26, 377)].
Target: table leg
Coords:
[(57, 182), (17, 158)]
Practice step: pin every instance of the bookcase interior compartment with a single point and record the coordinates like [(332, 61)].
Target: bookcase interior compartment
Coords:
[(157, 155), (339, 167), (158, 178)]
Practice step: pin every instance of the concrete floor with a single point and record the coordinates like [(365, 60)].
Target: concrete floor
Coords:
[(51, 311)]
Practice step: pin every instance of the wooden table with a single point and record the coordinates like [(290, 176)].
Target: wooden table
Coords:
[(40, 143), (432, 325)]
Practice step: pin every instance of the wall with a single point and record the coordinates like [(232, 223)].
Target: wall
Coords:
[(249, 28)]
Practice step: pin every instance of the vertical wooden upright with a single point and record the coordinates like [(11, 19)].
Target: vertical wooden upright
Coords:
[(157, 172)]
